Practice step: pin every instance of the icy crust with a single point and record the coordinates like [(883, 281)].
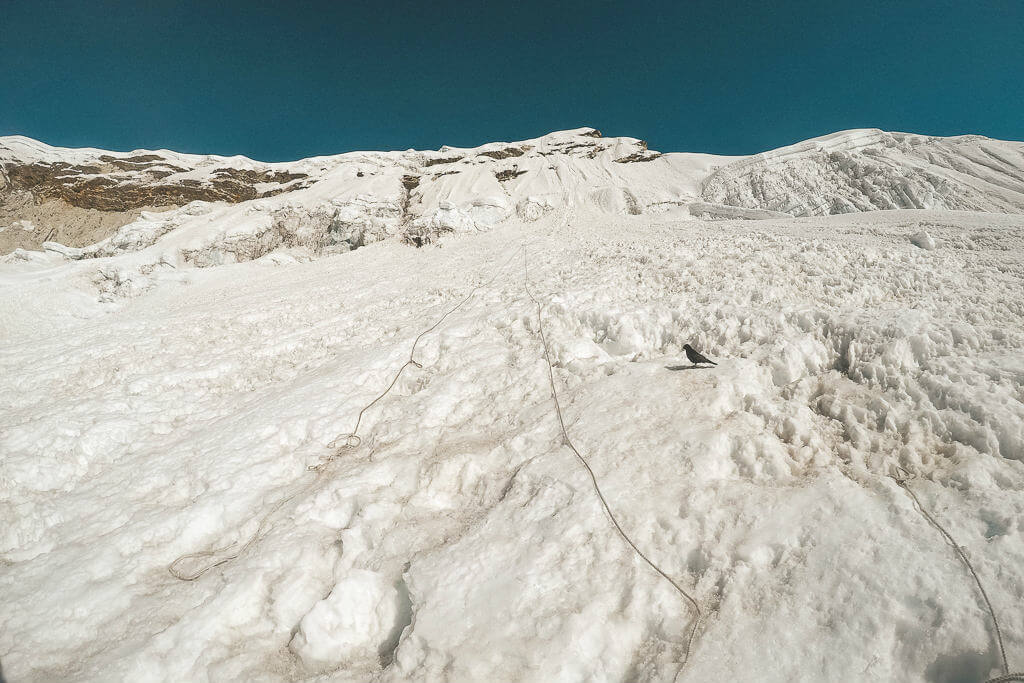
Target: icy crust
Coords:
[(460, 541), (865, 170)]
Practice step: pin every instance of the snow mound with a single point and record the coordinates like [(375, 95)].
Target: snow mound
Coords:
[(354, 622), (922, 239)]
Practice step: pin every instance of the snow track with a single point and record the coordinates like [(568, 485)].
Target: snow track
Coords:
[(459, 541)]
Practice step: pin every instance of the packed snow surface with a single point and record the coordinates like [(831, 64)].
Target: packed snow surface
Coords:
[(459, 541), (167, 404)]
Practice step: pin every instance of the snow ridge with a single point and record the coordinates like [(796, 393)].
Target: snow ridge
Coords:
[(867, 170), (351, 200)]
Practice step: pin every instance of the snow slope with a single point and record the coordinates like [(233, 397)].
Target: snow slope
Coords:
[(354, 198), (866, 170), (247, 208), (152, 409)]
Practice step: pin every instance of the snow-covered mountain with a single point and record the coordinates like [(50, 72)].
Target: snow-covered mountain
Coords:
[(866, 170), (233, 447), (349, 199), (77, 197)]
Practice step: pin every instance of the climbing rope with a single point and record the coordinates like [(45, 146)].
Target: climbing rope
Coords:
[(567, 442), (902, 477), (346, 441), (175, 568), (352, 439)]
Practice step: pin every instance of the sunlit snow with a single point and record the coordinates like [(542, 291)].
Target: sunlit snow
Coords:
[(164, 396)]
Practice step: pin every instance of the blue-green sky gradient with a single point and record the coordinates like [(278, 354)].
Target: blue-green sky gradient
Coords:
[(283, 80)]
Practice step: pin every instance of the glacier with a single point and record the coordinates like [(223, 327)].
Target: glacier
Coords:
[(179, 394)]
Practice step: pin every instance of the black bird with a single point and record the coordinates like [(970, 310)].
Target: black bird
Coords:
[(694, 357)]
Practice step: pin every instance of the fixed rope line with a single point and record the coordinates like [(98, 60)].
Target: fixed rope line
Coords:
[(567, 442), (902, 477), (347, 441), (352, 439)]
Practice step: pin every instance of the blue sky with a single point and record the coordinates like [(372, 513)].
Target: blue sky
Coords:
[(283, 80)]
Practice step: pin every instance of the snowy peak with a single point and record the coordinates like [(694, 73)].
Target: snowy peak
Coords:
[(579, 142), (341, 202), (865, 170)]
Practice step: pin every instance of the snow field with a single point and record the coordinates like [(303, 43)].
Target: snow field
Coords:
[(460, 541)]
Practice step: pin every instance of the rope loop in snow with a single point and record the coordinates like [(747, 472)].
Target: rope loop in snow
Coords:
[(177, 569), (346, 441)]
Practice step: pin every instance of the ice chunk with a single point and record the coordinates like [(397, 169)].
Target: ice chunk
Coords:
[(923, 240), (349, 624)]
